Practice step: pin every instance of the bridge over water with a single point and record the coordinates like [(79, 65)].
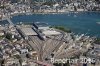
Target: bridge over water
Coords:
[(9, 20)]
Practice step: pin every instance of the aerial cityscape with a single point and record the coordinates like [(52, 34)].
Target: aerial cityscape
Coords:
[(49, 32)]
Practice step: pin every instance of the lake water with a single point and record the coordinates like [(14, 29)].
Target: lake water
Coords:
[(83, 22)]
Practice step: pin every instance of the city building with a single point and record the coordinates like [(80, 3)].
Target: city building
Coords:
[(45, 29), (11, 62), (50, 32), (26, 31), (41, 25), (1, 33)]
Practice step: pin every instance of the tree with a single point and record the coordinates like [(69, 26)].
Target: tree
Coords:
[(9, 36), (63, 29)]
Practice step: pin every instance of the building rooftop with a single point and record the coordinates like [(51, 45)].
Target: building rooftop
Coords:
[(50, 32), (29, 31), (1, 31), (41, 24)]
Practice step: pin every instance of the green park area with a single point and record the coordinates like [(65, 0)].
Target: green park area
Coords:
[(62, 28)]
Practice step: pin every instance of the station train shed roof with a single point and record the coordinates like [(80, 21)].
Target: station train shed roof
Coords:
[(28, 31)]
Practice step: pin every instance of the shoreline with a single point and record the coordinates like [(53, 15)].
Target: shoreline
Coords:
[(31, 13), (25, 14), (44, 13), (63, 12)]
